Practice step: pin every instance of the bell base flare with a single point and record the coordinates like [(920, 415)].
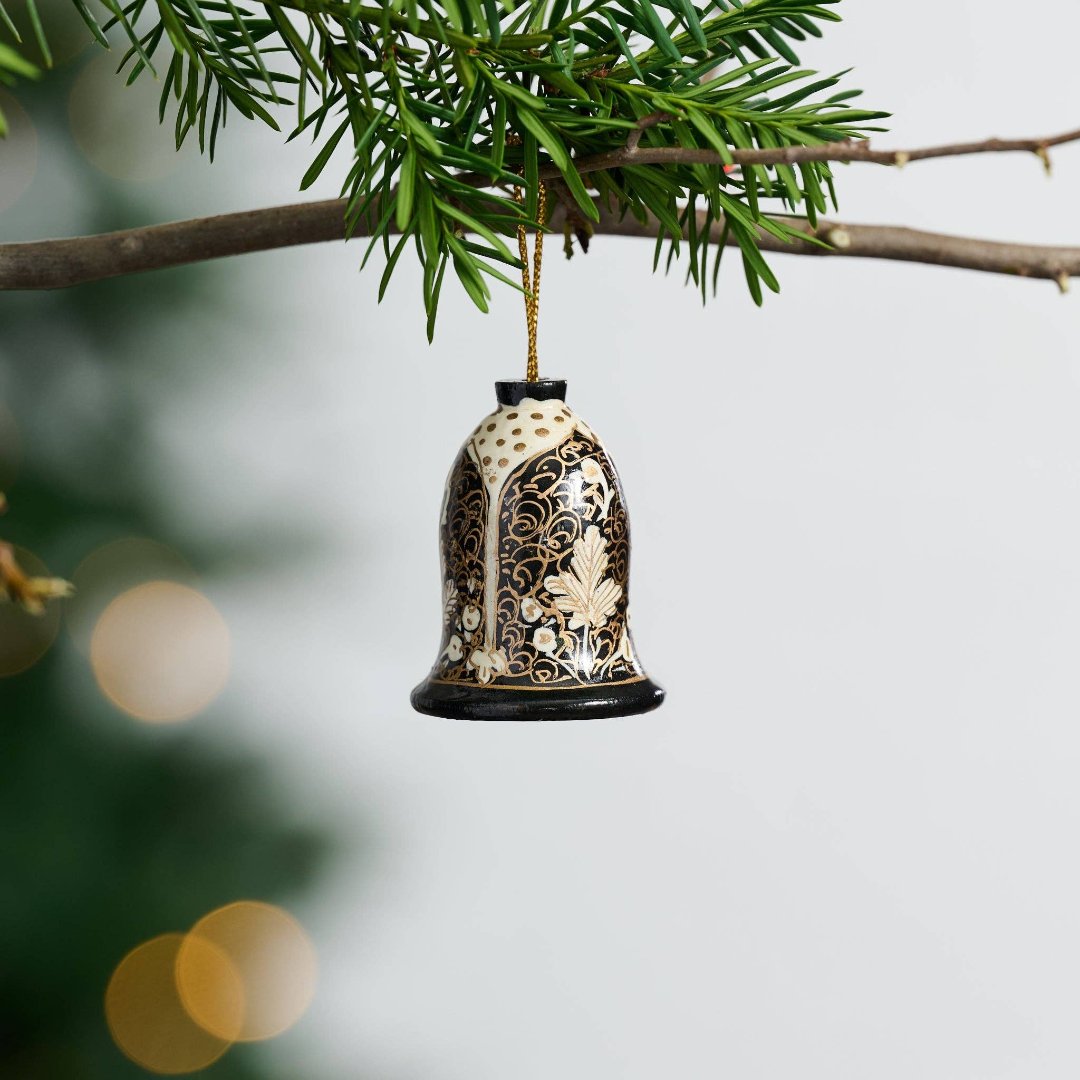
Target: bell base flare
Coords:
[(581, 703)]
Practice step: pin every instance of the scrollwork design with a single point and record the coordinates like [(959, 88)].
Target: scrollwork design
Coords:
[(462, 534), (561, 562), (565, 506)]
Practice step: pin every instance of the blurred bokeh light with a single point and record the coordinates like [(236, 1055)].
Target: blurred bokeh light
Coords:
[(275, 961), (25, 638), (67, 36), (146, 1015), (161, 652), (18, 152), (115, 568), (116, 127)]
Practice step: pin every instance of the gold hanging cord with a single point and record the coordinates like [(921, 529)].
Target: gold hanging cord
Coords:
[(530, 282)]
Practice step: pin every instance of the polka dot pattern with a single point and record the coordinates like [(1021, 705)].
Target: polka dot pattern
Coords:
[(522, 432)]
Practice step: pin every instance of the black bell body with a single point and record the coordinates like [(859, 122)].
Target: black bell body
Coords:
[(535, 568)]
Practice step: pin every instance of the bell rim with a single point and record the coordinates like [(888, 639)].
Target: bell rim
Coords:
[(598, 702)]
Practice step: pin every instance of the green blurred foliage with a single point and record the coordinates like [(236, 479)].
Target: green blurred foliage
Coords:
[(110, 832)]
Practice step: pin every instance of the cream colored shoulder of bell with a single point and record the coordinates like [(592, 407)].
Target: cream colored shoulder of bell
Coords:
[(514, 433)]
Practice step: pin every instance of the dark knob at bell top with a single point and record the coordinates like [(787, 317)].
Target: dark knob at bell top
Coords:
[(535, 546)]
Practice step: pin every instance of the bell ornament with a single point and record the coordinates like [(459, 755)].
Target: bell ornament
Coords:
[(535, 546)]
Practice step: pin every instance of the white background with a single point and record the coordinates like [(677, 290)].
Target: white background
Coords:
[(846, 846)]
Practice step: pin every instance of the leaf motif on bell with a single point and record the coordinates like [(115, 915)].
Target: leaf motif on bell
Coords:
[(583, 592)]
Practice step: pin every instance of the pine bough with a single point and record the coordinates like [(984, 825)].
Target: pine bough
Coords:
[(446, 107)]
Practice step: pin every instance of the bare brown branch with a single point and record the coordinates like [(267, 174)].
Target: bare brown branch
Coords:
[(900, 244), (56, 264), (837, 152)]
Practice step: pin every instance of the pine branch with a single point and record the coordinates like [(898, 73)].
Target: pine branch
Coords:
[(508, 92), (693, 121)]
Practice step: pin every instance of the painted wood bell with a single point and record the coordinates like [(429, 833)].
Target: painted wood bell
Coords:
[(535, 572)]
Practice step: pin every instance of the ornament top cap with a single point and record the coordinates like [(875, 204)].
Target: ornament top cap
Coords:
[(514, 391)]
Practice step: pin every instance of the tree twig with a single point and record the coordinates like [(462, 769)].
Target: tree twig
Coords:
[(643, 125), (896, 243), (860, 150), (56, 264), (30, 593)]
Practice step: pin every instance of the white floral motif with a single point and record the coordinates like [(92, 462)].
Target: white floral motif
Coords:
[(530, 609), (591, 471), (453, 652), (544, 640), (583, 592), (598, 492), (470, 617), (488, 664)]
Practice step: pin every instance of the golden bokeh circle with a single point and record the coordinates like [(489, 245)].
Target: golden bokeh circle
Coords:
[(274, 958), (25, 638), (146, 1015), (160, 652), (113, 568)]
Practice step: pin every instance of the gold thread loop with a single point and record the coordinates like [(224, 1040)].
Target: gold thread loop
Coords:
[(530, 282)]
